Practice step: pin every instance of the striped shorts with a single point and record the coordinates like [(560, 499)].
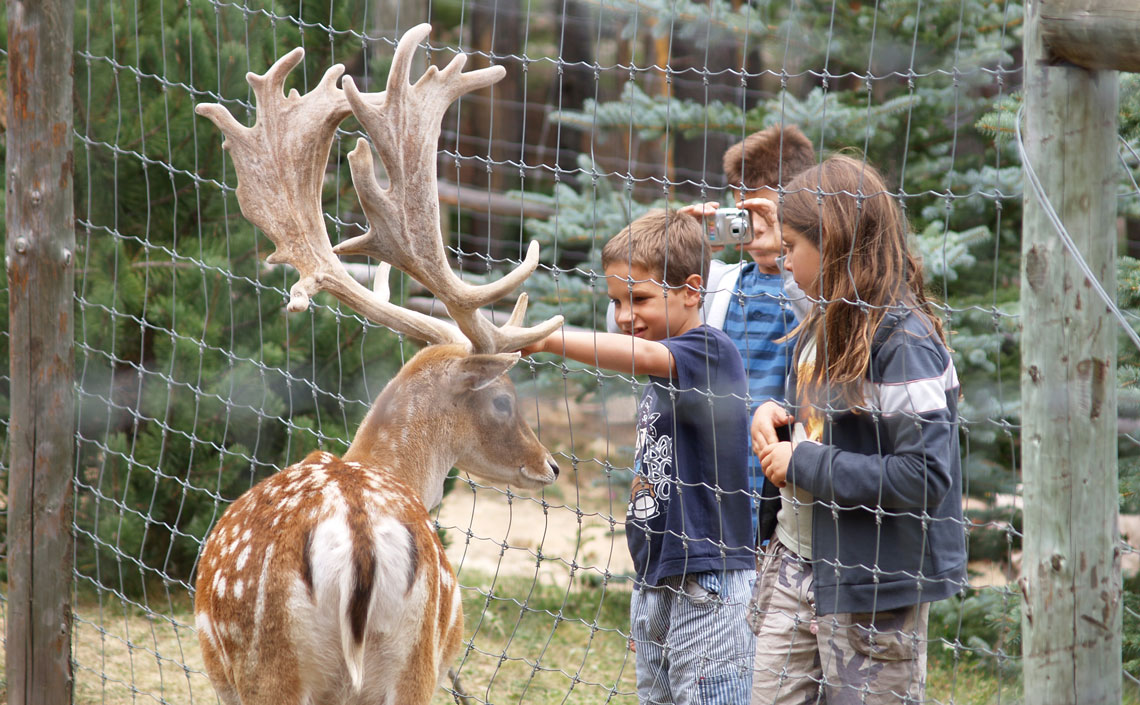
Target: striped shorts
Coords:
[(693, 643)]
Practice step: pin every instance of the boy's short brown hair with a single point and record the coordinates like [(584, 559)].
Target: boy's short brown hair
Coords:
[(667, 244), (768, 157)]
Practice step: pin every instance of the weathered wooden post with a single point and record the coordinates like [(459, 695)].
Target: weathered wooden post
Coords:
[(1070, 569), (40, 242)]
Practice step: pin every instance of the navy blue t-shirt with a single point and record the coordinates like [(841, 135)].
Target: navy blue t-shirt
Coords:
[(690, 509)]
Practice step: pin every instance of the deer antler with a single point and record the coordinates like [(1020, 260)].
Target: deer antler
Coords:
[(280, 164), (404, 219)]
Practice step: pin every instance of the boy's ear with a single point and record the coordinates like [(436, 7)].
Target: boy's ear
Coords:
[(692, 290)]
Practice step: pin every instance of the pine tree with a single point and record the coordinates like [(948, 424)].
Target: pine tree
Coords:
[(192, 382), (900, 86)]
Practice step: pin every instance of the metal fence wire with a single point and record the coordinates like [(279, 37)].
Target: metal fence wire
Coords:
[(193, 383)]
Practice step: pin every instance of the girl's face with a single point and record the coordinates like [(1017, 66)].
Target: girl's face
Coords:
[(802, 260)]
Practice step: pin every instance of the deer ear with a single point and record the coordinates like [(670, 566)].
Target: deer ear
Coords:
[(479, 371)]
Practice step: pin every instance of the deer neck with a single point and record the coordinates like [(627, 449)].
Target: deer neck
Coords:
[(404, 438)]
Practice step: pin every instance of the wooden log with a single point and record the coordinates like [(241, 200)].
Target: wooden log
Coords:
[(1093, 34), (1071, 616), (40, 266)]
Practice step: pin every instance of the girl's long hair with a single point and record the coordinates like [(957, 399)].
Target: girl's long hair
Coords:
[(843, 207)]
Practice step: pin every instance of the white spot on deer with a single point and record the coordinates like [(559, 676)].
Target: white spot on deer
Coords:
[(291, 503), (246, 536), (243, 557), (239, 588), (202, 622), (230, 630), (220, 587), (260, 600), (332, 498)]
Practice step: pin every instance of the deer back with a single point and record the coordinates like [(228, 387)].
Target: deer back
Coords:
[(321, 575)]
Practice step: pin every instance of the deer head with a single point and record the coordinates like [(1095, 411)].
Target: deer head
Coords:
[(280, 164), (330, 572)]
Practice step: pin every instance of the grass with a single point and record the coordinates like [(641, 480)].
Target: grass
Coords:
[(542, 643), (529, 642)]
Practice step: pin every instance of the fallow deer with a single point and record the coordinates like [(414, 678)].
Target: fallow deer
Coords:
[(326, 582)]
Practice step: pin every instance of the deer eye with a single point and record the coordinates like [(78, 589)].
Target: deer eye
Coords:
[(502, 403)]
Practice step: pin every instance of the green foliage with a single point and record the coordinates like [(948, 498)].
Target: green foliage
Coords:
[(976, 625), (1130, 634), (1001, 122), (1129, 124), (994, 534), (1128, 386), (193, 382)]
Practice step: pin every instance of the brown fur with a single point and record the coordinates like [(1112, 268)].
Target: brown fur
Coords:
[(259, 651), (323, 547)]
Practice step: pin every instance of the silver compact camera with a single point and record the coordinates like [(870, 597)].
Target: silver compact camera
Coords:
[(731, 226)]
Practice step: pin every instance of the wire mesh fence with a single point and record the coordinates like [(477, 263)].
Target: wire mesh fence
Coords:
[(193, 383)]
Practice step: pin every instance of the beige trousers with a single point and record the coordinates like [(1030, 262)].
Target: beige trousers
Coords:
[(838, 659)]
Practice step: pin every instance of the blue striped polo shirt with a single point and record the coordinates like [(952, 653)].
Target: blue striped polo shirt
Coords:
[(757, 317)]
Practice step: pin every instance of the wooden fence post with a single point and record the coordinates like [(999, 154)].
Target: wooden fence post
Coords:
[(1071, 616), (39, 260)]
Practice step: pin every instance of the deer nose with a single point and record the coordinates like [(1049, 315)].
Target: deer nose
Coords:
[(553, 467)]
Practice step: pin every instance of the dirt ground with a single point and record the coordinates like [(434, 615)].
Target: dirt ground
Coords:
[(576, 524)]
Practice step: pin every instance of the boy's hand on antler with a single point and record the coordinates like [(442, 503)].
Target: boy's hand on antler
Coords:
[(535, 347)]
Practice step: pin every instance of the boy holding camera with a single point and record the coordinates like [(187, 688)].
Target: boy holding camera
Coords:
[(687, 523), (751, 301), (748, 300)]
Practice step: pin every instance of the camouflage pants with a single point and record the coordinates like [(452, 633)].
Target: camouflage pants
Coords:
[(838, 659)]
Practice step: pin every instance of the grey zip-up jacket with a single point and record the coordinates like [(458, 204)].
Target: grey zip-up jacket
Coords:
[(887, 527)]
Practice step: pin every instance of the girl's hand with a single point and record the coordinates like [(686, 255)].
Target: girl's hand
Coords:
[(764, 423), (774, 462)]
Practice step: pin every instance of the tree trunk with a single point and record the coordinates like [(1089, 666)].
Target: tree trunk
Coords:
[(1071, 617), (41, 283)]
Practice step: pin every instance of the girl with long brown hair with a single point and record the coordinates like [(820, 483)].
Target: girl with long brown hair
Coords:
[(866, 527)]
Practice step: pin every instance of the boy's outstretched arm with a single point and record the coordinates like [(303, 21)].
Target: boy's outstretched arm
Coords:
[(612, 351)]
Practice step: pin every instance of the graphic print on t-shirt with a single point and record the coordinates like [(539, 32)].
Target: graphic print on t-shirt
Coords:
[(808, 414), (653, 465)]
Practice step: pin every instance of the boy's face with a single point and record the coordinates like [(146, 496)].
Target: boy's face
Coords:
[(642, 308), (765, 246)]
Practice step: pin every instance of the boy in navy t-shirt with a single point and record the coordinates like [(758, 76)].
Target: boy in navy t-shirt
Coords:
[(688, 524)]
